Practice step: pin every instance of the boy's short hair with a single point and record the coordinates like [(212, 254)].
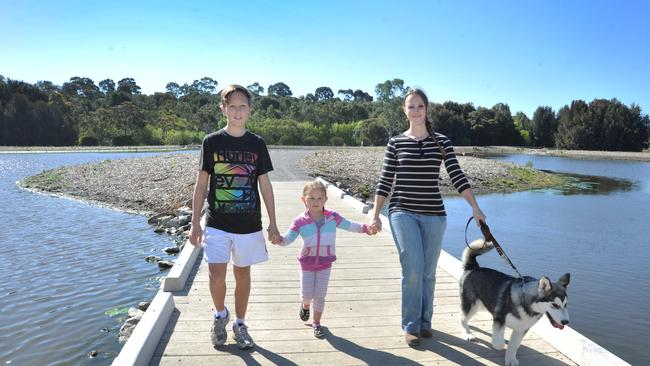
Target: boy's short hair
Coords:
[(234, 88)]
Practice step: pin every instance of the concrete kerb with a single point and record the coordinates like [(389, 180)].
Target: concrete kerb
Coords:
[(146, 335), (334, 191), (569, 342), (178, 274)]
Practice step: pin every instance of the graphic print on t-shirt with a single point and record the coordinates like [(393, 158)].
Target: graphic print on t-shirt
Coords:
[(234, 173)]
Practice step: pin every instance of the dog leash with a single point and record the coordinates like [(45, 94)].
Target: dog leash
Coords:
[(489, 237)]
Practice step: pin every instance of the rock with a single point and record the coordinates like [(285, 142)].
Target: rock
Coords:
[(164, 220), (181, 211), (93, 354), (144, 305), (135, 313), (171, 250), (165, 264), (125, 331), (152, 258)]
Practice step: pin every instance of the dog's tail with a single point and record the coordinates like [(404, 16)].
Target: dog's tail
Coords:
[(476, 248)]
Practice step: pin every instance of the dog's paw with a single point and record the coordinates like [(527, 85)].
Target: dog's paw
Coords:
[(512, 362), (468, 336)]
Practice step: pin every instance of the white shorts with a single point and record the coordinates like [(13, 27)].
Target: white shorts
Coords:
[(246, 249)]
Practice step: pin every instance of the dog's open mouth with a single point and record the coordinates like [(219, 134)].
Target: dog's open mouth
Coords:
[(553, 323)]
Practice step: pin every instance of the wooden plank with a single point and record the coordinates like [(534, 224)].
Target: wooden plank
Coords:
[(362, 313)]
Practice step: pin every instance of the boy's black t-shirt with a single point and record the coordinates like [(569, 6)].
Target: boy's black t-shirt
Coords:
[(234, 163)]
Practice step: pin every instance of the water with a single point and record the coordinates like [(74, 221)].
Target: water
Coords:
[(598, 233), (64, 265)]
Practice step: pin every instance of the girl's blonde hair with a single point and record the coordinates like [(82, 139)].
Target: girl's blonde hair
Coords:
[(314, 185)]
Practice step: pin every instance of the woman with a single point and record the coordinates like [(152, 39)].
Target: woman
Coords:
[(416, 211)]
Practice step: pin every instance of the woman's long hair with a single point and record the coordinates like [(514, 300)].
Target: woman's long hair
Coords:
[(419, 92)]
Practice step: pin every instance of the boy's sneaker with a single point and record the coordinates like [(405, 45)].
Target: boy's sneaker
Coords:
[(241, 336), (218, 333), (319, 332), (304, 314)]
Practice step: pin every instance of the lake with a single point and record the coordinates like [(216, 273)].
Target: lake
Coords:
[(70, 269)]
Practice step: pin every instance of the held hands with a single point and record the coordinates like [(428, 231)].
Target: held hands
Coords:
[(274, 235), (375, 226)]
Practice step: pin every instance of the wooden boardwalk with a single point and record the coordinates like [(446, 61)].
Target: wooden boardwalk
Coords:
[(362, 312)]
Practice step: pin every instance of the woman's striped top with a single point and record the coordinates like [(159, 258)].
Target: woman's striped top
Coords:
[(411, 171)]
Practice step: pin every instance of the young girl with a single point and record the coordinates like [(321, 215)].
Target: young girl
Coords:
[(317, 227)]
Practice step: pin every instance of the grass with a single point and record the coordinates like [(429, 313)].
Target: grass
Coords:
[(50, 180), (524, 178)]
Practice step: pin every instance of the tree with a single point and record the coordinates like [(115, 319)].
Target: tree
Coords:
[(204, 86), (256, 88), (280, 90), (602, 125), (81, 87), (524, 126), (361, 96), (47, 86), (129, 118), (128, 86), (481, 127), (347, 94), (390, 89), (545, 125), (126, 89), (174, 89), (371, 132), (323, 93), (107, 86), (573, 130)]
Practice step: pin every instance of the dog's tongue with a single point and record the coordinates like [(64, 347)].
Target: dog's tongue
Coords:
[(558, 326)]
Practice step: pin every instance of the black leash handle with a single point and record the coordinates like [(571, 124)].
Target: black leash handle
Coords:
[(489, 237)]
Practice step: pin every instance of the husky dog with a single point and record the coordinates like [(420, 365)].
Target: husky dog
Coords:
[(517, 303)]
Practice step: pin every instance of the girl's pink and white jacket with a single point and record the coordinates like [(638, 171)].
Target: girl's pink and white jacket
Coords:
[(319, 239)]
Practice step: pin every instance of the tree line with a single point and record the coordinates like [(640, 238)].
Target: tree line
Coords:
[(80, 112)]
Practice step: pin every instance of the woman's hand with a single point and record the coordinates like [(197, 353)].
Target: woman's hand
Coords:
[(479, 216), (375, 225)]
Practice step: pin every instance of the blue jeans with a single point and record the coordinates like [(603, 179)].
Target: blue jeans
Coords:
[(418, 239)]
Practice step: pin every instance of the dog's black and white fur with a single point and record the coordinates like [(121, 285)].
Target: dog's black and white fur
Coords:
[(517, 303)]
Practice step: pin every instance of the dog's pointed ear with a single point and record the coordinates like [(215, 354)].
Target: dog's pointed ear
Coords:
[(544, 285), (564, 280)]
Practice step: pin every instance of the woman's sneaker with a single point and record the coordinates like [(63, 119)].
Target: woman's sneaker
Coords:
[(241, 336), (304, 314), (218, 333)]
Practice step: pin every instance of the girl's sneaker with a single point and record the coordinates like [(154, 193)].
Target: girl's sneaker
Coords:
[(319, 332), (304, 313)]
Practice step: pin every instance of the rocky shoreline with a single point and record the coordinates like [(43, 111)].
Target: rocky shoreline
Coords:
[(160, 184)]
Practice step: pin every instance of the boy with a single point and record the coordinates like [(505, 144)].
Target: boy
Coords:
[(234, 161)]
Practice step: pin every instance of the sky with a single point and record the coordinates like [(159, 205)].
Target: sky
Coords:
[(523, 53)]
